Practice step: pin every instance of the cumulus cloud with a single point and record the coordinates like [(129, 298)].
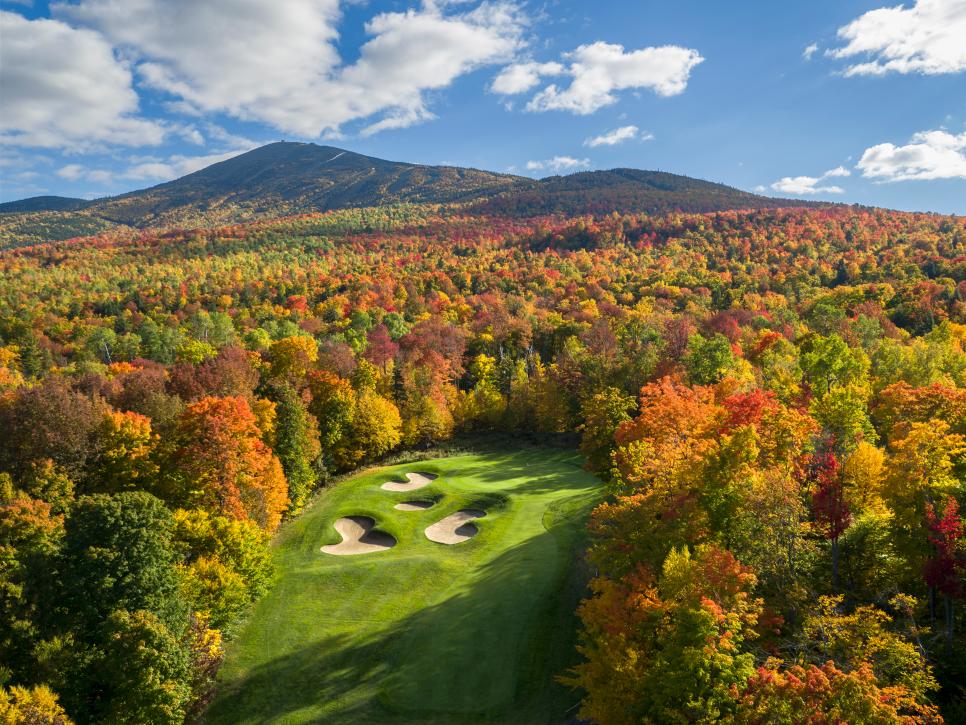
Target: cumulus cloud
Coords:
[(280, 65), (155, 169), (925, 38), (597, 72), (558, 164), (77, 172), (837, 171), (146, 168), (928, 155), (522, 77), (618, 136), (64, 88), (809, 51), (805, 185)]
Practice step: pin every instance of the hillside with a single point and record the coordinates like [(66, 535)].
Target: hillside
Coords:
[(290, 178), (43, 203), (287, 178), (626, 191)]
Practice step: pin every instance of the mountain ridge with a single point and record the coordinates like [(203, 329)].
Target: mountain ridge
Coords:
[(285, 177)]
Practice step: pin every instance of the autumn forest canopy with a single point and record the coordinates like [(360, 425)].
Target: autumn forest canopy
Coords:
[(774, 401)]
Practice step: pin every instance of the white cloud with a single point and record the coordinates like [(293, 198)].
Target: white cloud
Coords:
[(810, 51), (152, 169), (175, 166), (837, 171), (929, 37), (521, 77), (278, 63), (618, 136), (64, 88), (805, 185), (558, 164), (598, 71), (76, 172), (928, 155), (71, 172)]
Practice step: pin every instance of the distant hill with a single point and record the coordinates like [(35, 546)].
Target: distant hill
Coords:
[(43, 203), (291, 178), (626, 191)]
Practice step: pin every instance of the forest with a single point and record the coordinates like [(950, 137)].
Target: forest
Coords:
[(774, 401)]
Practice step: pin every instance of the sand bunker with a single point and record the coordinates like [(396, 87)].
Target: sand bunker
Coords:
[(455, 528), (358, 537), (414, 505), (416, 480)]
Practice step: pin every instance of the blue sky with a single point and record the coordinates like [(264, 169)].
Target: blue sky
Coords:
[(847, 101)]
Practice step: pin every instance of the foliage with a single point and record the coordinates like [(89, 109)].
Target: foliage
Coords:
[(713, 365)]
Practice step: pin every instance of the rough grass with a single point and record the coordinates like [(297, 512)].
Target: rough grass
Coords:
[(423, 632)]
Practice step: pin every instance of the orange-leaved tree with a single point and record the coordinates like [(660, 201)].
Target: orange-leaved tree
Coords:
[(218, 461)]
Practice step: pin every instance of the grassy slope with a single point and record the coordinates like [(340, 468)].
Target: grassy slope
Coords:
[(423, 632)]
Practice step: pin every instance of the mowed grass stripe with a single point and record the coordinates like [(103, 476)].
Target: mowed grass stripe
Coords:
[(421, 632)]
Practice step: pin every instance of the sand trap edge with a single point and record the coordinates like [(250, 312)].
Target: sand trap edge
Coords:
[(455, 528), (414, 480), (359, 536), (414, 505)]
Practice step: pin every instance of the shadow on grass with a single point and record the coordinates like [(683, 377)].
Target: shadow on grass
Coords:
[(488, 652)]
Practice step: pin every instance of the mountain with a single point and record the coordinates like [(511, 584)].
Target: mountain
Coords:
[(291, 178), (626, 191), (43, 203)]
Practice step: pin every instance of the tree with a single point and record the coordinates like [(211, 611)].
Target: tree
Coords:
[(48, 421), (376, 429), (824, 695), (218, 461), (381, 350), (118, 553), (50, 483), (124, 460), (708, 358), (296, 444), (945, 568), (900, 404), (676, 427), (426, 400), (866, 636), (141, 672), (232, 372), (602, 414), (920, 471), (483, 405), (828, 361), (334, 406), (671, 650), (226, 564), (829, 505), (862, 476), (842, 413), (31, 706), (292, 357), (30, 540)]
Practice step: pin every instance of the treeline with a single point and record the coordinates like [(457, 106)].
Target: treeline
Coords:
[(776, 397)]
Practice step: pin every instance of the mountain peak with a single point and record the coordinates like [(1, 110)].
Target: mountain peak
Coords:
[(290, 177)]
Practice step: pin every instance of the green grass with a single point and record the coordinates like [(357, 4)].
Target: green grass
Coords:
[(423, 632)]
